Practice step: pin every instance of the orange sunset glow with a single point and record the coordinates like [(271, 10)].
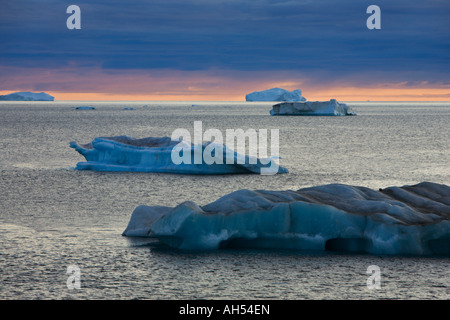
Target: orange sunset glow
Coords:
[(395, 93)]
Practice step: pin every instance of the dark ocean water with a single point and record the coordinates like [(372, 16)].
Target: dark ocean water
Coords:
[(52, 216)]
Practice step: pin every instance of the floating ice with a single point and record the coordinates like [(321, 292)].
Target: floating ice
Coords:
[(27, 96), (275, 94), (85, 108), (397, 220), (154, 154), (310, 108)]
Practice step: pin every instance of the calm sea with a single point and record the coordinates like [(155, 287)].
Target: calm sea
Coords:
[(52, 216)]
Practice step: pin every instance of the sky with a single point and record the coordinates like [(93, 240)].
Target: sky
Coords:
[(223, 49)]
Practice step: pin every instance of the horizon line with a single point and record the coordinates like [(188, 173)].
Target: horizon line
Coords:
[(350, 94)]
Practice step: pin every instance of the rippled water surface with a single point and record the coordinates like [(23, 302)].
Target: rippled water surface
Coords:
[(52, 216)]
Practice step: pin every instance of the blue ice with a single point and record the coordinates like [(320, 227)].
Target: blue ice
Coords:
[(408, 220)]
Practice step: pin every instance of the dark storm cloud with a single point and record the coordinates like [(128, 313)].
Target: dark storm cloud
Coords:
[(303, 36)]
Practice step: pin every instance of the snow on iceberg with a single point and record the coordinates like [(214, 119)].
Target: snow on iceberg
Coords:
[(312, 108), (27, 96), (275, 94), (397, 220), (154, 154)]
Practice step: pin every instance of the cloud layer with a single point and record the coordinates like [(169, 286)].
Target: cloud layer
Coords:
[(308, 42)]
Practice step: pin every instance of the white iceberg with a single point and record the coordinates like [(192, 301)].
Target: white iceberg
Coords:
[(27, 96), (154, 154), (312, 108), (413, 220), (275, 94)]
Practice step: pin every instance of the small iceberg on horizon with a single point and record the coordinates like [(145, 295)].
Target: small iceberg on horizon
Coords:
[(312, 108), (84, 108), (275, 94), (155, 154), (408, 220)]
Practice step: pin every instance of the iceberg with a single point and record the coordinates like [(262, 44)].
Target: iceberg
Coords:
[(27, 96), (408, 220), (84, 108), (312, 108), (275, 94), (154, 154)]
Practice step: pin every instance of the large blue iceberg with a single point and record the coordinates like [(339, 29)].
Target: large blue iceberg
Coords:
[(408, 220), (154, 154)]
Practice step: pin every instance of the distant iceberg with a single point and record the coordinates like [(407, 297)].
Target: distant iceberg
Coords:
[(27, 96), (275, 94), (408, 220), (85, 108), (312, 108), (154, 154)]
